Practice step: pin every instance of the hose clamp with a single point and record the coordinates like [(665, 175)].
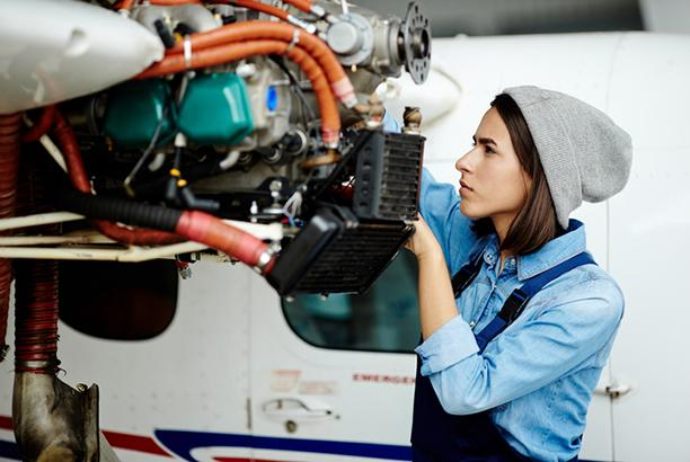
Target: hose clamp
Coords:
[(265, 260), (295, 21), (187, 47), (294, 41), (47, 365)]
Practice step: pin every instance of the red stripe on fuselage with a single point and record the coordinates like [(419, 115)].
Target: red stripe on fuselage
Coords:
[(6, 423), (117, 440), (134, 443)]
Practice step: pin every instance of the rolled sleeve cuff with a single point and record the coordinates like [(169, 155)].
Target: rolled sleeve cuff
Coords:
[(450, 344)]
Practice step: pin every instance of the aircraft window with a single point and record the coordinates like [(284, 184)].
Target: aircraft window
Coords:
[(383, 319), (118, 301)]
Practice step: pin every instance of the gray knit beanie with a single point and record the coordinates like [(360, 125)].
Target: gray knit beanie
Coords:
[(585, 155)]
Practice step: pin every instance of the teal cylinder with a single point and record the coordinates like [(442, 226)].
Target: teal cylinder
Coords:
[(134, 111), (215, 110)]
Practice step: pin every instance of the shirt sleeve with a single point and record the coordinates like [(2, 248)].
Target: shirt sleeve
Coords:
[(390, 124), (439, 204), (526, 356)]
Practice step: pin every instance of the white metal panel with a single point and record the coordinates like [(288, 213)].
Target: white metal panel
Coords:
[(193, 377), (284, 366), (650, 226)]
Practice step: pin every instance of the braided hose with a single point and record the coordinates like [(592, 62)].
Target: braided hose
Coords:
[(36, 323), (10, 129)]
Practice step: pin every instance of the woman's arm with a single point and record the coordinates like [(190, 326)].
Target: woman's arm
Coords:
[(525, 357), (436, 300), (578, 323)]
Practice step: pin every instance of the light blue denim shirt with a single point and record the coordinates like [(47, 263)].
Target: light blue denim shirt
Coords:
[(538, 376)]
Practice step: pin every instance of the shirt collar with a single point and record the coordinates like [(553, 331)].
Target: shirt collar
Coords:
[(549, 255)]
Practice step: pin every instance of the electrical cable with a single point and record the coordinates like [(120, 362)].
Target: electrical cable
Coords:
[(304, 104), (147, 153)]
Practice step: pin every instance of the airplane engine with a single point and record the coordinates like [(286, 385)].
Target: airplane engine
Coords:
[(235, 130), (230, 110)]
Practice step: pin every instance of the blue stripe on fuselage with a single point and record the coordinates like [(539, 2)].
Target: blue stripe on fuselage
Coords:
[(182, 443)]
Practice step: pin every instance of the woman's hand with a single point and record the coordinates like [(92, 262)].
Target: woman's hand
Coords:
[(436, 299), (423, 243)]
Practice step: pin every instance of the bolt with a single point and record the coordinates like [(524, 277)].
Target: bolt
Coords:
[(291, 426)]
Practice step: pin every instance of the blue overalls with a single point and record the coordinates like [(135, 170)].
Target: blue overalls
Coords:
[(441, 437)]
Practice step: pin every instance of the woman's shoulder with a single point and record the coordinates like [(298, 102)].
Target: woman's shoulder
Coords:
[(590, 291)]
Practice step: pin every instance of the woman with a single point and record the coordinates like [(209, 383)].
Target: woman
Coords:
[(514, 342)]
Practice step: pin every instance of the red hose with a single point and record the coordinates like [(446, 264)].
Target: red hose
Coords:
[(36, 281), (70, 149), (207, 229), (10, 128), (42, 126), (36, 323)]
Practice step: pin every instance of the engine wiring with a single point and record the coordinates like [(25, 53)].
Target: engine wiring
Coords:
[(308, 113), (127, 183)]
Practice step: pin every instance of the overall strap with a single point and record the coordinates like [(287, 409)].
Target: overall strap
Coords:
[(466, 274), (518, 299)]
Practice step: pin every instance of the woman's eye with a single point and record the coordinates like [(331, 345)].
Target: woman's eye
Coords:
[(489, 150)]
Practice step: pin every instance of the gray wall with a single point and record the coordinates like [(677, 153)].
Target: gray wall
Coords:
[(499, 17)]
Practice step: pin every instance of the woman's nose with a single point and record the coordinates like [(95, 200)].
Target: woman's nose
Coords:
[(463, 164)]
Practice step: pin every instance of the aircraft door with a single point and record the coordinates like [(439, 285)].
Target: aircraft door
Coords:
[(333, 380)]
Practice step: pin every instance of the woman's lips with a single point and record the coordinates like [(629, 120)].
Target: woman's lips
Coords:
[(464, 187)]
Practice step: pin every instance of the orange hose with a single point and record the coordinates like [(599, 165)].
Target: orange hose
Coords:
[(80, 181), (269, 30), (330, 118), (126, 5), (209, 230)]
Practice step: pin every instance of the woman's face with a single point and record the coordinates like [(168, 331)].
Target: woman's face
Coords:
[(493, 183)]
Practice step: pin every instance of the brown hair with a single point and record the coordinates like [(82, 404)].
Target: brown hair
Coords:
[(536, 223)]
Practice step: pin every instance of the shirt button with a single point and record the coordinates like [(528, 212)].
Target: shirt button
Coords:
[(472, 323), (512, 261)]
